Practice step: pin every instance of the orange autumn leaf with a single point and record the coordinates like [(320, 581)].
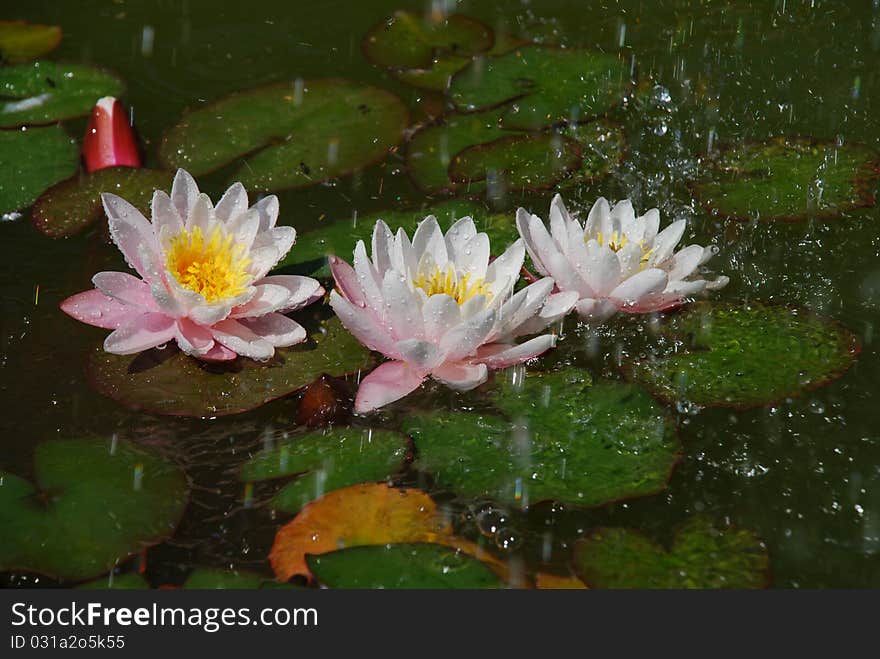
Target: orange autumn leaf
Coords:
[(547, 581)]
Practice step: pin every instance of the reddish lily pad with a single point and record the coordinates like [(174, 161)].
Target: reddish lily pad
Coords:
[(790, 178), (73, 205), (93, 503), (701, 556), (21, 41), (550, 85), (319, 462), (170, 382), (746, 355), (402, 566), (31, 160), (292, 134), (564, 439), (44, 92)]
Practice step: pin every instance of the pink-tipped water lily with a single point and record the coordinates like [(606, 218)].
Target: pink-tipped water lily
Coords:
[(203, 277), (616, 261), (109, 139), (437, 307)]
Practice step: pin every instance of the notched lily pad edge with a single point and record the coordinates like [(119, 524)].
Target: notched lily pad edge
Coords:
[(166, 165), (867, 196), (854, 350)]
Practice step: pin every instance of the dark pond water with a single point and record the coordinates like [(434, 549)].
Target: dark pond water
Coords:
[(800, 471)]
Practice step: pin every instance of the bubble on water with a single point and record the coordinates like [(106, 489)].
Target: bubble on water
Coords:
[(507, 538), (489, 519)]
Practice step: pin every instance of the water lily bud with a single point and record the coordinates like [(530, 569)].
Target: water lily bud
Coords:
[(109, 140)]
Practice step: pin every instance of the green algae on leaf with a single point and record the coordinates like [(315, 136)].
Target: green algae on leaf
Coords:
[(401, 566), (746, 356), (550, 86), (21, 41), (790, 178), (567, 440), (701, 556), (32, 160), (170, 382), (43, 92), (93, 503), (290, 135), (75, 204), (320, 462)]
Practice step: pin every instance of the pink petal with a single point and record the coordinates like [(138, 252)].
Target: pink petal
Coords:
[(94, 308), (125, 288), (218, 353), (109, 140), (241, 339), (277, 329), (267, 207), (461, 377), (381, 247), (363, 325), (193, 339), (140, 333), (387, 383), (346, 280), (233, 203), (595, 311), (165, 215), (132, 233), (501, 355), (184, 193), (463, 340)]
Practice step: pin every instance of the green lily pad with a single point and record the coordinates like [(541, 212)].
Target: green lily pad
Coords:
[(533, 162), (790, 178), (44, 92), (23, 42), (569, 440), (746, 356), (291, 134), (93, 503), (550, 86), (340, 237), (217, 579), (127, 581), (701, 556), (401, 566), (325, 461), (73, 205), (170, 382), (31, 160), (433, 149), (437, 76)]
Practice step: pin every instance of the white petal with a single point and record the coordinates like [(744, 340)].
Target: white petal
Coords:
[(382, 245), (559, 222), (666, 241), (461, 377), (428, 239), (184, 193), (201, 214), (602, 269), (165, 215), (458, 236), (440, 314), (268, 208), (474, 259), (422, 355), (464, 339), (599, 219), (499, 355), (402, 310), (595, 311), (523, 225), (642, 285), (233, 203)]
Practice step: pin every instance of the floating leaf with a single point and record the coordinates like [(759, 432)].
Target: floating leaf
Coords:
[(548, 581), (550, 85), (93, 503), (746, 356), (218, 579), (73, 205), (790, 178), (531, 162), (169, 382), (31, 160), (127, 581), (44, 92), (571, 441), (433, 150), (340, 237), (327, 461), (701, 556), (425, 51), (367, 514), (290, 134), (22, 42), (404, 565)]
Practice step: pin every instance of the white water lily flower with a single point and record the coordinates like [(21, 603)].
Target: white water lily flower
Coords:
[(437, 307), (203, 277), (616, 261)]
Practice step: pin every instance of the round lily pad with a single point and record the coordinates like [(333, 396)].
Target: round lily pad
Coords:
[(790, 178), (533, 162), (550, 85), (93, 503), (75, 204), (746, 356), (401, 566), (701, 556), (339, 238), (291, 134), (433, 151), (43, 92), (22, 42), (31, 160), (569, 440), (218, 579), (167, 381), (127, 581), (324, 461)]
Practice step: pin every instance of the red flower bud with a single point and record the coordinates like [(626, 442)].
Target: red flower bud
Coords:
[(109, 140)]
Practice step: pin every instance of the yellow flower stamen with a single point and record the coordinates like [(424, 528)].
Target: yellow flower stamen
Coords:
[(618, 241), (461, 289), (214, 266)]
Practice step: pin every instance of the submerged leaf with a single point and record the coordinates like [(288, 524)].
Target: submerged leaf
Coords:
[(32, 160), (22, 42)]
